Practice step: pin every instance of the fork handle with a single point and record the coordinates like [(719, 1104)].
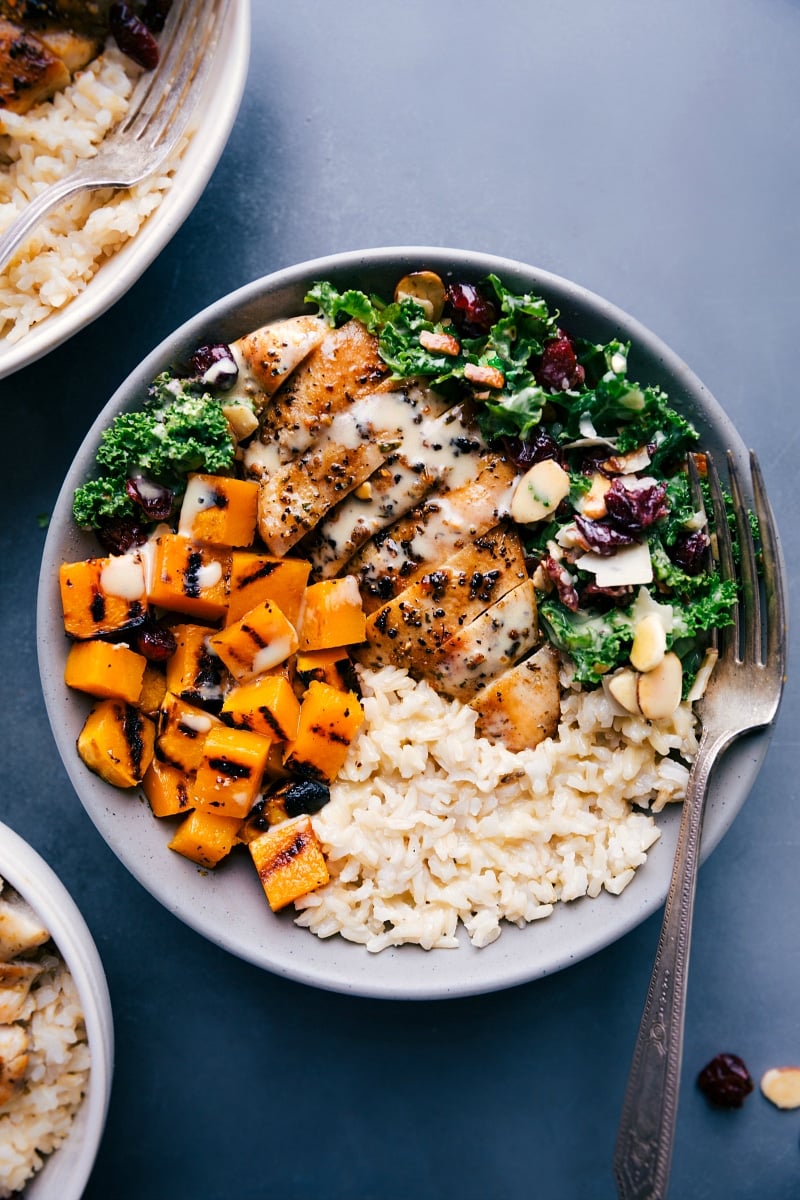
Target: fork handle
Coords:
[(39, 207), (647, 1127)]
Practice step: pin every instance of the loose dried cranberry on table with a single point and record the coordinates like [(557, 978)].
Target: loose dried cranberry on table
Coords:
[(471, 313), (725, 1081), (132, 36), (559, 367)]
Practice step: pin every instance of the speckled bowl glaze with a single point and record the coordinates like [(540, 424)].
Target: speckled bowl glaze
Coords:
[(66, 1172), (227, 905)]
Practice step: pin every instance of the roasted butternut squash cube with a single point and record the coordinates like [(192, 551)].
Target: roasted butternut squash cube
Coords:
[(194, 672), (259, 577), (117, 742), (190, 577), (167, 789), (261, 640), (154, 687), (102, 595), (289, 861), (326, 666), (105, 669), (183, 729), (219, 510), (230, 772), (266, 705), (329, 720), (205, 838), (333, 615)]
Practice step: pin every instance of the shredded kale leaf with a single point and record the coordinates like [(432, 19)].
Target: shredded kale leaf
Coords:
[(180, 429)]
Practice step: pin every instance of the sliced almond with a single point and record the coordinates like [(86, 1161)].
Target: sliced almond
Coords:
[(593, 503), (781, 1085), (659, 690), (649, 643), (485, 376), (426, 288), (539, 492), (440, 343), (704, 672), (623, 687)]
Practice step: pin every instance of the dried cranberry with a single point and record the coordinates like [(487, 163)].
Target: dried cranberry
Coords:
[(155, 642), (154, 499), (725, 1081), (559, 367), (471, 313), (538, 446), (132, 36), (602, 537), (305, 796), (635, 509), (609, 597), (563, 581), (214, 364), (154, 14), (689, 551), (121, 534)]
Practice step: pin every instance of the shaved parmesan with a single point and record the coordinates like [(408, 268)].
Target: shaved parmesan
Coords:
[(628, 566)]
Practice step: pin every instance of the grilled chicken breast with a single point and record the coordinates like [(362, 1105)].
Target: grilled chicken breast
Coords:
[(522, 706)]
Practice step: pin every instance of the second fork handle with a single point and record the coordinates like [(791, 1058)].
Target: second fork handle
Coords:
[(647, 1127)]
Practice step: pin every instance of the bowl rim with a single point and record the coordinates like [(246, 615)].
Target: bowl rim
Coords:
[(116, 275), (734, 777), (25, 870)]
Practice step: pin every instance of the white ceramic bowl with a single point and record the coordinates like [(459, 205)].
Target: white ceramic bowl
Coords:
[(66, 1171), (227, 905), (217, 109)]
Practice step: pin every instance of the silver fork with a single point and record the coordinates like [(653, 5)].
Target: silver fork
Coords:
[(161, 106), (743, 694)]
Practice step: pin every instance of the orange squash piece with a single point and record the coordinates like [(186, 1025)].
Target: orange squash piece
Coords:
[(167, 789), (102, 595), (105, 669), (266, 705), (333, 615), (205, 838), (259, 577), (289, 861), (326, 666), (189, 577), (329, 720), (261, 640), (154, 686), (194, 672), (183, 729), (230, 772), (219, 510), (116, 742)]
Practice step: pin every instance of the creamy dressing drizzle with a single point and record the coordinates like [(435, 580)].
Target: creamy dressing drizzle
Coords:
[(124, 577)]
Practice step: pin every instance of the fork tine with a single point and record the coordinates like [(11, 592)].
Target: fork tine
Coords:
[(151, 82), (190, 58), (729, 634), (750, 594), (773, 574)]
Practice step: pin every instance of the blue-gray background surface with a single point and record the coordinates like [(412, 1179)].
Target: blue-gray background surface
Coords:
[(650, 152)]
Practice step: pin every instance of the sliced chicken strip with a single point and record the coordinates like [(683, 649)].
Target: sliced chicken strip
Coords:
[(409, 630), (521, 707), (15, 983), (268, 355), (14, 1043), (443, 524), (20, 928), (293, 500), (489, 645)]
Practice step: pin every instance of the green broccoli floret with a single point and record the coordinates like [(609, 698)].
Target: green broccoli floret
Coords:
[(180, 429)]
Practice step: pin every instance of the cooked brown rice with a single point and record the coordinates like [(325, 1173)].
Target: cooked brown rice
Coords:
[(429, 825), (37, 1120), (41, 146)]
